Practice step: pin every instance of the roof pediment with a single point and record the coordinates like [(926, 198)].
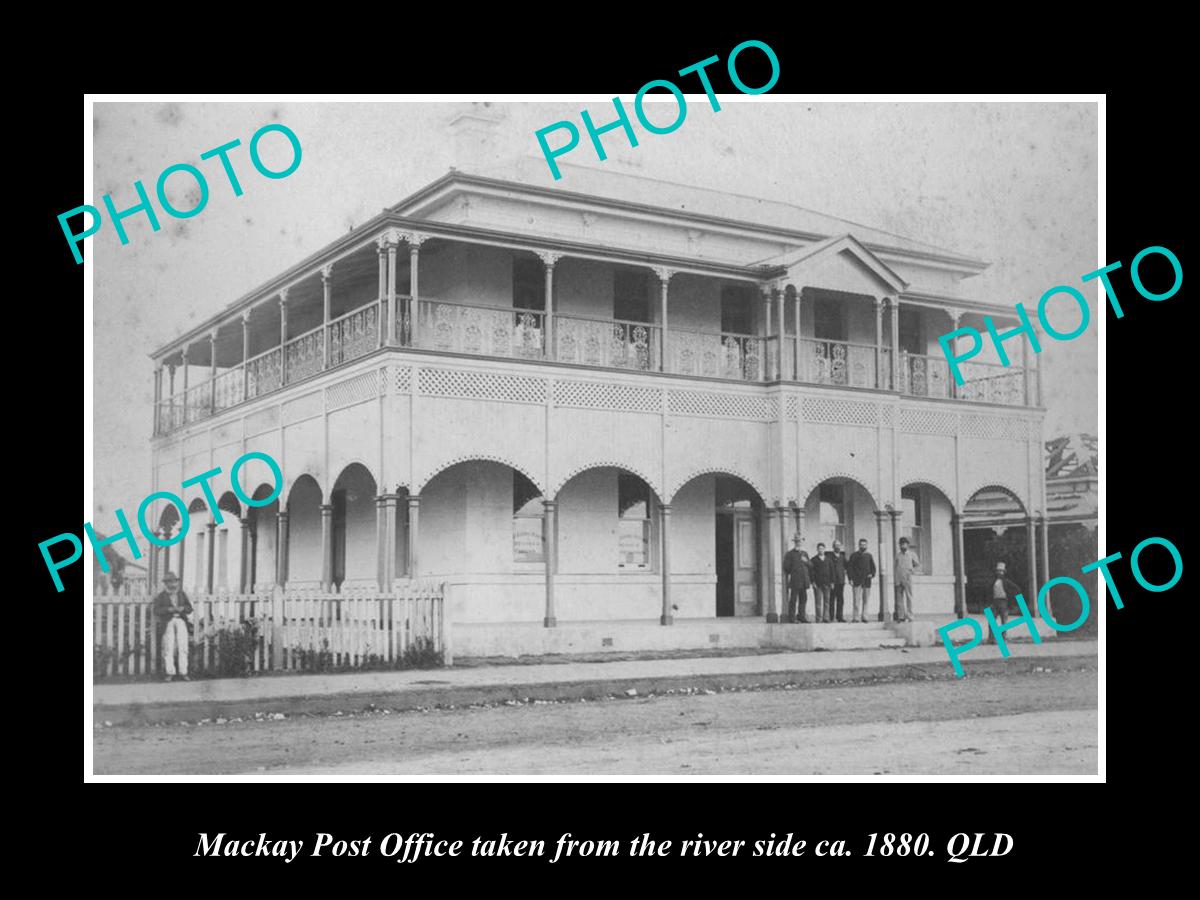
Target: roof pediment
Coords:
[(841, 263)]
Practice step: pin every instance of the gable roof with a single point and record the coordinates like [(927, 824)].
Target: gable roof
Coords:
[(843, 243), (614, 187), (1072, 455)]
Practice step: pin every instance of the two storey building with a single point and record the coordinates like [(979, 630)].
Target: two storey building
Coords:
[(599, 398)]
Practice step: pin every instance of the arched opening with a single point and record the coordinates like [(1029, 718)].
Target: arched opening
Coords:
[(608, 522), (355, 532), (264, 535), (478, 516), (837, 513), (926, 519), (717, 527), (168, 527), (304, 559), (995, 530)]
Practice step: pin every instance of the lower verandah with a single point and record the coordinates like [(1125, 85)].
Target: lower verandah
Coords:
[(481, 531)]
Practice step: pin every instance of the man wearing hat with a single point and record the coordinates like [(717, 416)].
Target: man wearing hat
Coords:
[(796, 579), (171, 609), (906, 564), (1003, 591)]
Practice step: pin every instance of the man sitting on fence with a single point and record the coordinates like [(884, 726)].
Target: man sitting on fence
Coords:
[(171, 608)]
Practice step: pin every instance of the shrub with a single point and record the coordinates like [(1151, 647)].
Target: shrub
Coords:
[(232, 647)]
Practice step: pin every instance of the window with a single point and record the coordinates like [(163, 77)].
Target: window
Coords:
[(529, 283), (833, 515), (528, 515), (737, 310), (631, 295), (828, 322), (912, 504), (633, 527)]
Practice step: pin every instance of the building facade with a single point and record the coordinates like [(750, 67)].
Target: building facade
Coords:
[(617, 399)]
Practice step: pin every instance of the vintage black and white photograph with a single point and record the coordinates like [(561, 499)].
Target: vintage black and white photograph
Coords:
[(661, 469)]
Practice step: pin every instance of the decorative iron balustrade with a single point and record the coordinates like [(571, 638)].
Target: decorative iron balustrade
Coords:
[(924, 376), (305, 355), (839, 363), (353, 335), (515, 333), (229, 388), (610, 343), (1007, 387), (264, 374), (480, 330)]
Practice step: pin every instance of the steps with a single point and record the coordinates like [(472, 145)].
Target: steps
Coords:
[(854, 636)]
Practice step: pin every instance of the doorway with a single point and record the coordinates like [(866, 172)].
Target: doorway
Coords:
[(736, 551)]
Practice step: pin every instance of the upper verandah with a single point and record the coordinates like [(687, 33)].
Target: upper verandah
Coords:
[(603, 225)]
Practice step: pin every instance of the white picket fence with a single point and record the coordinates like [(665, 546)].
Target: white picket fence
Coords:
[(294, 630)]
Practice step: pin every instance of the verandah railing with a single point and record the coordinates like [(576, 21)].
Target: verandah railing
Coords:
[(517, 333), (298, 631)]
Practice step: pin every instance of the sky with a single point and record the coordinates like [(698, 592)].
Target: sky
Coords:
[(1011, 183)]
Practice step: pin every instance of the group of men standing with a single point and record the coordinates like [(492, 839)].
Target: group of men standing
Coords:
[(827, 573)]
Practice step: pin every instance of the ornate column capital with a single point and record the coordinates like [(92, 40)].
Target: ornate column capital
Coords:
[(954, 313), (212, 336), (183, 355), (283, 295), (664, 274), (549, 257), (326, 272), (383, 242), (414, 238), (246, 319)]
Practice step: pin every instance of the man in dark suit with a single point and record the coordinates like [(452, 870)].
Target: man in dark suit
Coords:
[(171, 609), (1002, 592), (838, 599), (796, 580), (822, 578), (860, 569)]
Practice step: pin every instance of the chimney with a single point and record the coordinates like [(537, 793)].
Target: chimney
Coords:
[(476, 135)]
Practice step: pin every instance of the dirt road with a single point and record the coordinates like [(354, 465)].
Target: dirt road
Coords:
[(1037, 723)]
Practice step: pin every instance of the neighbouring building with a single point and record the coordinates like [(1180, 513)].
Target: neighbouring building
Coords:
[(600, 398)]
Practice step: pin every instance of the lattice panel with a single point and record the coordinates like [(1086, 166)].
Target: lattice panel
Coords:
[(724, 406), (603, 395), (305, 407), (928, 421), (840, 412), (482, 386), (974, 425), (403, 379), (352, 390), (793, 408), (886, 414)]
